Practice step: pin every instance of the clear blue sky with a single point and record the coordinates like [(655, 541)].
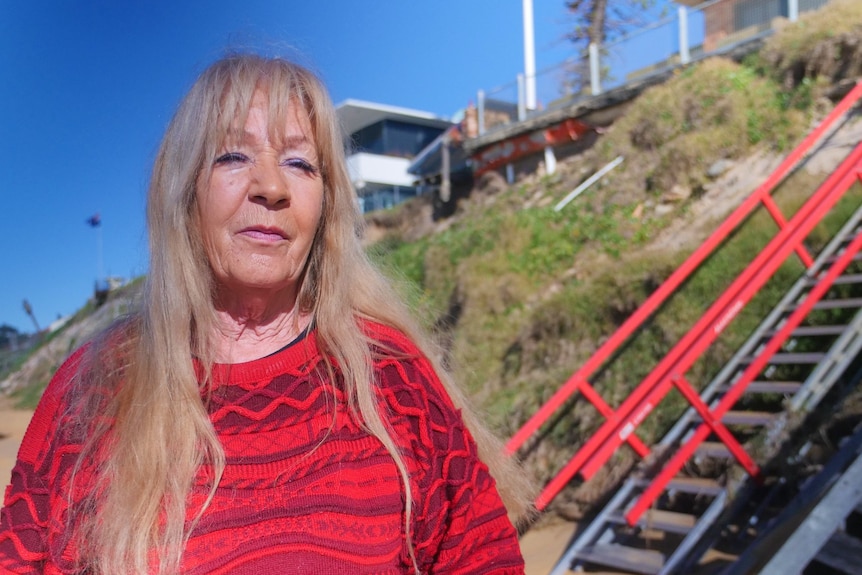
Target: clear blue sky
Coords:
[(89, 87)]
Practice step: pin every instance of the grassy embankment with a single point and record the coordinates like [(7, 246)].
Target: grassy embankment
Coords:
[(530, 293)]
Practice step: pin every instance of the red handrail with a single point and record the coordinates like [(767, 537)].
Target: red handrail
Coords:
[(602, 444), (579, 380), (675, 463)]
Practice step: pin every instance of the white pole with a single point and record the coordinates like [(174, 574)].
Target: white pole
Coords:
[(793, 10), (589, 182), (684, 55), (595, 79), (522, 100), (529, 54), (550, 161)]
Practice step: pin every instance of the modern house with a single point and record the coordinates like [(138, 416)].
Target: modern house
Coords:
[(383, 142)]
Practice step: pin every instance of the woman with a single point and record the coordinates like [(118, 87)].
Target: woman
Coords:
[(271, 408)]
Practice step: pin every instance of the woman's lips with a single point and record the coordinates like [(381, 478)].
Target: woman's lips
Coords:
[(264, 234)]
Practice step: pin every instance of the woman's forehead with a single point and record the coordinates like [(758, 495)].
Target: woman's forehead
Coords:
[(283, 121)]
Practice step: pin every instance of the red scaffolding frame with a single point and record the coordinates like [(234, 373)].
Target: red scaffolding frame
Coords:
[(621, 423)]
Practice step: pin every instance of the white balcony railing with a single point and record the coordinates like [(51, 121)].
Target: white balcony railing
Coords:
[(712, 27)]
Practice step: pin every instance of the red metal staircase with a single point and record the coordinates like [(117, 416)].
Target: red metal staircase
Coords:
[(712, 425)]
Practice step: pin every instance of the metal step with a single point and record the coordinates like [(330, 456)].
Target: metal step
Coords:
[(846, 279), (790, 358), (643, 561), (748, 418), (661, 520), (752, 418), (814, 330), (831, 259), (714, 449), (839, 303), (783, 387), (694, 485), (840, 280)]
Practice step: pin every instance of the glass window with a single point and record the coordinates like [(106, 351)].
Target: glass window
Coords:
[(394, 138), (406, 140), (386, 197), (369, 139)]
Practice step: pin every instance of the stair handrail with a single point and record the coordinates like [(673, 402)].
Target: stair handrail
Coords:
[(671, 370), (578, 381), (824, 282)]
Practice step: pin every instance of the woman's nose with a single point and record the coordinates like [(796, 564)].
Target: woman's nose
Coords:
[(269, 185)]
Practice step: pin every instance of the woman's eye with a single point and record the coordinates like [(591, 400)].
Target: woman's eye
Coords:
[(231, 158), (300, 164)]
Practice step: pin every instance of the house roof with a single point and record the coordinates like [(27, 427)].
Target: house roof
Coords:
[(356, 114)]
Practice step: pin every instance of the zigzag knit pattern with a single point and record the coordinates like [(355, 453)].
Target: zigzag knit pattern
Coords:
[(306, 490)]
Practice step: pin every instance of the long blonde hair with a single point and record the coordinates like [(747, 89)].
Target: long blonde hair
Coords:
[(150, 431)]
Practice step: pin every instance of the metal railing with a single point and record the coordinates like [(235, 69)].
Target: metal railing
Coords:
[(711, 28)]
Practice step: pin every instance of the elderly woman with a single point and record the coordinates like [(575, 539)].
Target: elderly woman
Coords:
[(271, 408)]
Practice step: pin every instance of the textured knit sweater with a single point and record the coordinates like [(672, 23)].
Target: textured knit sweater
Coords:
[(306, 490)]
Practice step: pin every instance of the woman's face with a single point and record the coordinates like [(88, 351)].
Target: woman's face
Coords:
[(261, 207)]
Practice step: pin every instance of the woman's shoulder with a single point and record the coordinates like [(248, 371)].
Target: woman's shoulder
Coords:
[(63, 379), (386, 338), (407, 379), (402, 359)]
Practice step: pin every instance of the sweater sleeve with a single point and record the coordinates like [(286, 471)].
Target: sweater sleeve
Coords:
[(26, 513), (460, 525)]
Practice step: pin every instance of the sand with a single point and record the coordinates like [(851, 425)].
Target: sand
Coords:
[(13, 424)]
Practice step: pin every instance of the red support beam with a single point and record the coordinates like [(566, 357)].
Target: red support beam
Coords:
[(779, 218)]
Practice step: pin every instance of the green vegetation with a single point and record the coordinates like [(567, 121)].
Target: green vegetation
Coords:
[(54, 347), (821, 49), (717, 110), (538, 291), (28, 397)]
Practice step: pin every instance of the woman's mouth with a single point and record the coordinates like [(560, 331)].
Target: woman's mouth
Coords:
[(264, 234)]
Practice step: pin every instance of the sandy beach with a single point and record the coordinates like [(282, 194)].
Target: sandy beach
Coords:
[(13, 424)]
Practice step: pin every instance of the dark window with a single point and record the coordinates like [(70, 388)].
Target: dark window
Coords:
[(369, 139), (394, 138)]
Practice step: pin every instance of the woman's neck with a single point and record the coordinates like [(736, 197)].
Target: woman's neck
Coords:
[(242, 337)]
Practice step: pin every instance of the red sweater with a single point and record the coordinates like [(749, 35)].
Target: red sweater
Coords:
[(304, 490)]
